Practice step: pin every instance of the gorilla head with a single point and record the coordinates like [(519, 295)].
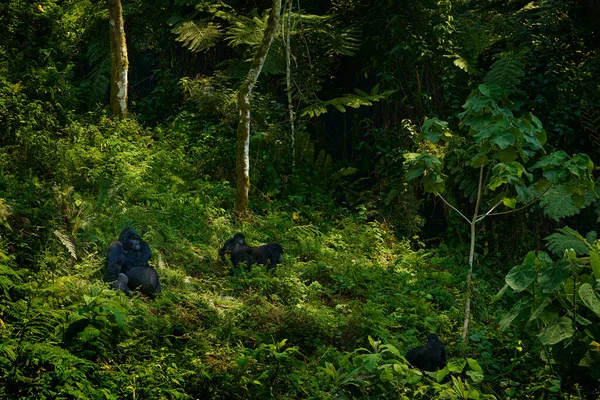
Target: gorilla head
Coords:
[(137, 251), (237, 240)]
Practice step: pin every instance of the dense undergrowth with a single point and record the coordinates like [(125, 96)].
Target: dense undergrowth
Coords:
[(332, 322)]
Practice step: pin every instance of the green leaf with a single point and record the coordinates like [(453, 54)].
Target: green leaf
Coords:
[(434, 129), (557, 331), (474, 365), (565, 239), (371, 361), (492, 91), (503, 140), (476, 376), (500, 293), (589, 298), (508, 154), (514, 312), (595, 263), (456, 365), (552, 277), (557, 203), (540, 308), (520, 277), (509, 202)]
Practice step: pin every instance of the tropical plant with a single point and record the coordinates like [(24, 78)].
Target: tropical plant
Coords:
[(505, 146)]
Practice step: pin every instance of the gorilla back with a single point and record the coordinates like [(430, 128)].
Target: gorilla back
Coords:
[(144, 279), (269, 254), (429, 357)]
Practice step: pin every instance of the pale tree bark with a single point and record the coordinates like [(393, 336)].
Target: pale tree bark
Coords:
[(288, 80), (242, 163), (120, 63)]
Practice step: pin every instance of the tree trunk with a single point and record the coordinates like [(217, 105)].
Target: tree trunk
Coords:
[(288, 80), (120, 63), (242, 167), (472, 255)]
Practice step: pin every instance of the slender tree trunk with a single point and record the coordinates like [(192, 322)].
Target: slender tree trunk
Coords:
[(120, 63), (242, 167), (288, 52), (472, 255)]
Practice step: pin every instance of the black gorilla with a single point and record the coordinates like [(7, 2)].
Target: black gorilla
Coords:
[(429, 357), (127, 264), (269, 254), (237, 240)]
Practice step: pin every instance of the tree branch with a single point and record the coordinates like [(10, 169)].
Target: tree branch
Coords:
[(452, 207)]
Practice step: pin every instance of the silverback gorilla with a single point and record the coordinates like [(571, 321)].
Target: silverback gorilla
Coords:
[(429, 357), (127, 264)]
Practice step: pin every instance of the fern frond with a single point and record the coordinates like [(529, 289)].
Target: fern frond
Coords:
[(275, 61), (567, 239), (557, 203), (64, 239), (506, 72), (245, 31), (161, 262), (344, 41), (99, 79), (197, 36), (354, 100), (590, 122)]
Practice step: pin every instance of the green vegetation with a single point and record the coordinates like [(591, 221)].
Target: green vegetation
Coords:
[(392, 124)]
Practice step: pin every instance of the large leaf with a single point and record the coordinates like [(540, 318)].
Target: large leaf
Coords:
[(540, 308), (434, 129), (557, 331), (552, 277), (514, 312), (590, 299), (520, 277), (595, 263)]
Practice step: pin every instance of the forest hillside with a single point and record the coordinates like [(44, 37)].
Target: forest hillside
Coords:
[(418, 170)]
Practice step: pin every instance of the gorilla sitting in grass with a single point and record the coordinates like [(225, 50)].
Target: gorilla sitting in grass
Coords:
[(127, 265)]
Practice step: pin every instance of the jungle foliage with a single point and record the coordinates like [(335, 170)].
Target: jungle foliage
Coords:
[(406, 115)]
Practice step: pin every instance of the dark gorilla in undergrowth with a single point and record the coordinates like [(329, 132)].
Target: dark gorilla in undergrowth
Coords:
[(429, 357), (269, 255), (237, 240), (127, 264)]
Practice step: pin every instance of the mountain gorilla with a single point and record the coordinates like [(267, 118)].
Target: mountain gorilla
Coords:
[(237, 240), (127, 264), (429, 357), (269, 254)]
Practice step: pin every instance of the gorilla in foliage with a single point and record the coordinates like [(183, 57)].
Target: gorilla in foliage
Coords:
[(269, 254), (237, 240), (429, 357), (127, 264)]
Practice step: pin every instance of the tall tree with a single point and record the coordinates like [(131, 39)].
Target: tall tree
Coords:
[(242, 166), (120, 63)]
